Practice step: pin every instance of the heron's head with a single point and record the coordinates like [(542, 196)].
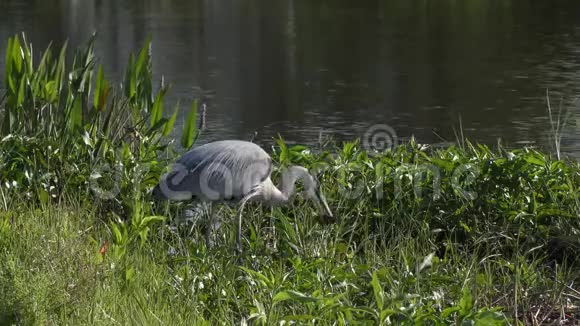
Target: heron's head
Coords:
[(313, 192)]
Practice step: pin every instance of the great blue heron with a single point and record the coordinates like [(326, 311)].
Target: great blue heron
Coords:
[(234, 171)]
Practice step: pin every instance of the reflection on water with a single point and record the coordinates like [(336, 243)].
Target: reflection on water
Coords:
[(299, 68)]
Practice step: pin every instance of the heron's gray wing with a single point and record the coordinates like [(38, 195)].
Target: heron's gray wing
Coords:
[(219, 171)]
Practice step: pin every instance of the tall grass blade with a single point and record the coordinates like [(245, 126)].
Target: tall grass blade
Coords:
[(188, 136), (171, 122), (99, 84), (157, 109), (8, 65), (27, 55)]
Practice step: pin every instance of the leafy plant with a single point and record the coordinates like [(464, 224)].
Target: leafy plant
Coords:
[(56, 142)]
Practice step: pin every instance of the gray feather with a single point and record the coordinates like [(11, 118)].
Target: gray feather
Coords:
[(221, 170)]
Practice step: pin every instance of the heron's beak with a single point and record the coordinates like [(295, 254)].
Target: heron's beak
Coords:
[(325, 212)]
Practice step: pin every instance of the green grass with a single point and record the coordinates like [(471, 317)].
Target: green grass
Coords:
[(392, 259), (460, 235)]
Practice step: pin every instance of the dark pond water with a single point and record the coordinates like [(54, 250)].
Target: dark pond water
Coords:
[(301, 68)]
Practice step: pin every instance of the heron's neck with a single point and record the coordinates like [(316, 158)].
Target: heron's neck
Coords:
[(288, 186)]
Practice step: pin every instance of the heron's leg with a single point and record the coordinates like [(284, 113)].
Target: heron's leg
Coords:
[(213, 225), (273, 229), (209, 228), (239, 221)]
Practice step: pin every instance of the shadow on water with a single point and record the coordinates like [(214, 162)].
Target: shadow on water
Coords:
[(298, 67)]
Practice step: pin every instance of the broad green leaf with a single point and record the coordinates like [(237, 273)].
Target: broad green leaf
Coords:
[(533, 159), (298, 148), (99, 258), (103, 95), (292, 296), (149, 220), (8, 63), (60, 67), (130, 82), (76, 113), (378, 291), (490, 318), (466, 302), (554, 212), (265, 281), (387, 313), (155, 127), (45, 59), (143, 236), (171, 122), (143, 58), (284, 154), (188, 135), (43, 196), (448, 311), (98, 86), (447, 165), (129, 274), (17, 55), (21, 89), (117, 237), (11, 83), (50, 92), (157, 109)]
